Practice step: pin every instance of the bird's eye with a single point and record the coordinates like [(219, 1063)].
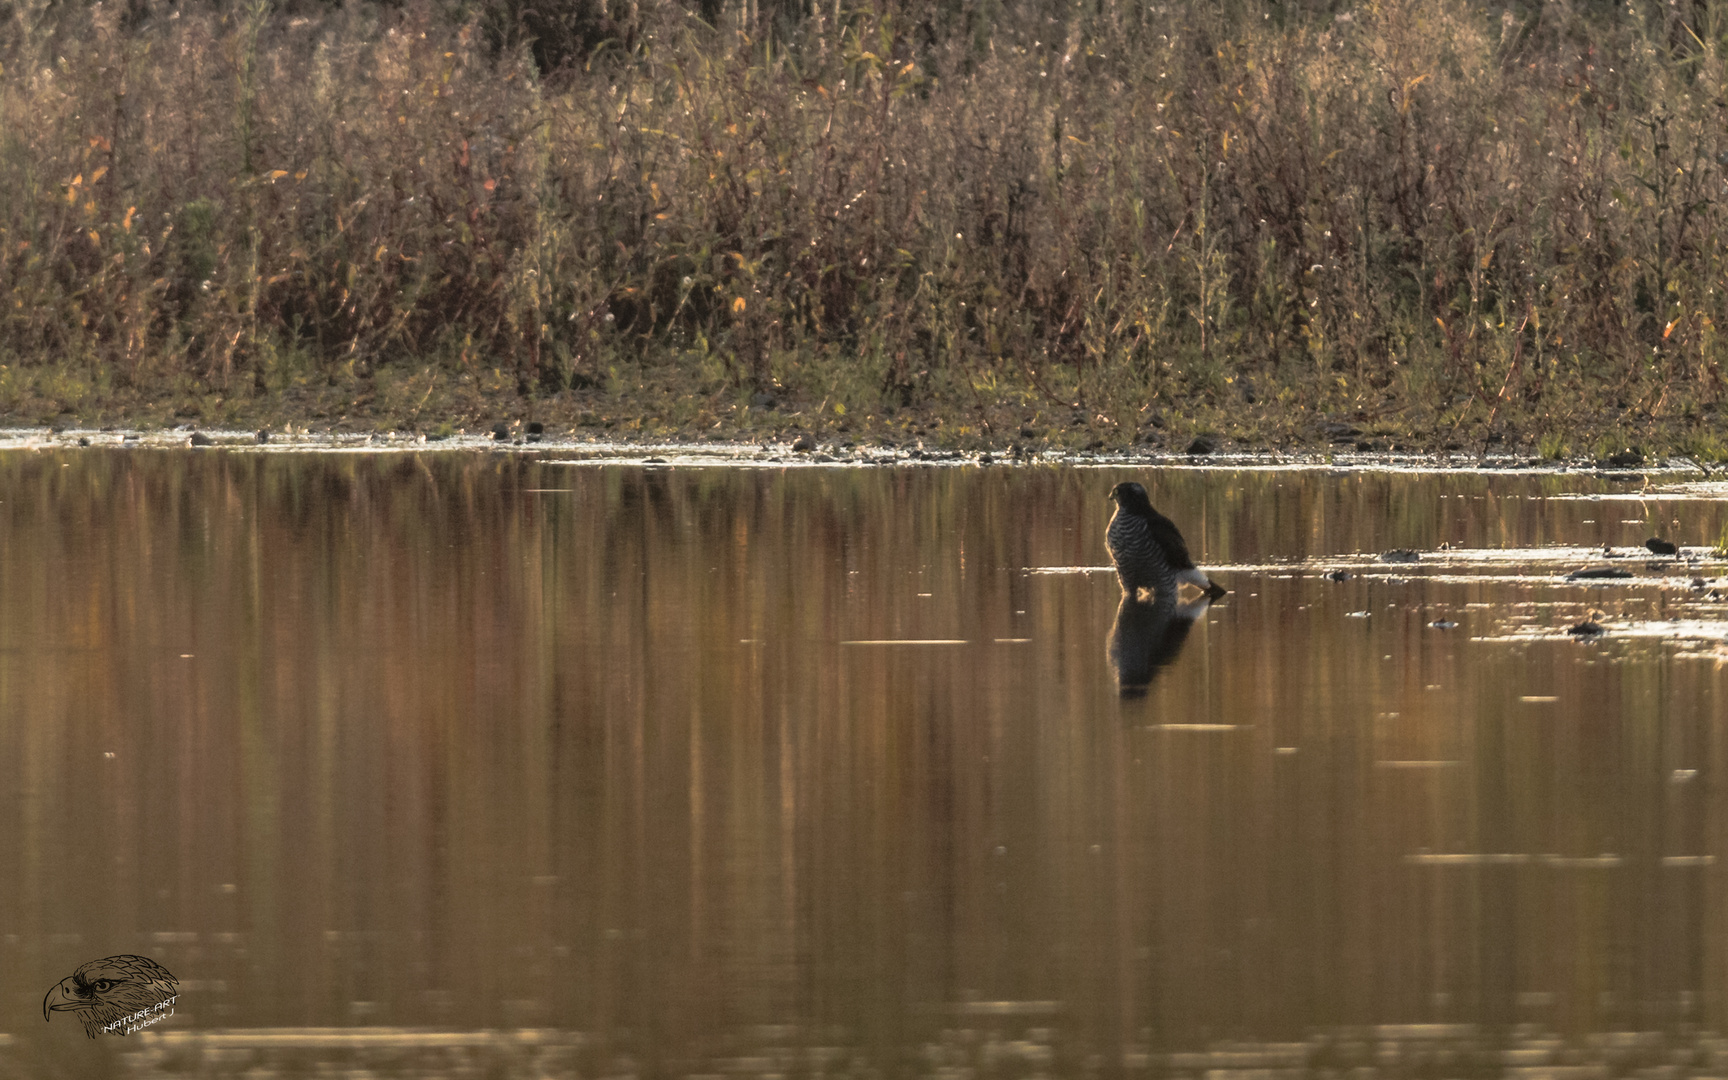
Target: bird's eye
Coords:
[(102, 986)]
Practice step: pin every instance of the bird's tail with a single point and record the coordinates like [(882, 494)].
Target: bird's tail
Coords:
[(1194, 577)]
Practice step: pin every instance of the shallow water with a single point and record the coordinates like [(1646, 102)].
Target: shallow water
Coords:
[(852, 770)]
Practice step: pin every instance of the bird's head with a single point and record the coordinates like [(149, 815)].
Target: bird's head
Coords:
[(1131, 497), (111, 989)]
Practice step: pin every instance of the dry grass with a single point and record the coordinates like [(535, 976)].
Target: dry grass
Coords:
[(1433, 218)]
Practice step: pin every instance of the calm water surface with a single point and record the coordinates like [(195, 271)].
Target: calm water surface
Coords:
[(833, 770)]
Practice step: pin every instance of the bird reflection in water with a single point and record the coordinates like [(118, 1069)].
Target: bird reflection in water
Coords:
[(1147, 636)]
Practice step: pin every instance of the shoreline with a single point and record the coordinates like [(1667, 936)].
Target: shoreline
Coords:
[(830, 453)]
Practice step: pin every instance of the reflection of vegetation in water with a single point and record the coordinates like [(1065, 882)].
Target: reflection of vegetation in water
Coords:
[(421, 723), (1133, 222)]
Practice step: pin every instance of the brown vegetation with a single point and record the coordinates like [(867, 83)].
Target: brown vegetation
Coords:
[(1439, 221)]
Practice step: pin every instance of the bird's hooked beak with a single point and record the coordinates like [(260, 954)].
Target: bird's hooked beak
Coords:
[(64, 996)]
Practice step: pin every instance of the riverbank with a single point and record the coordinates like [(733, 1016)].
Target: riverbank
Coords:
[(793, 448), (1399, 226), (461, 410), (1402, 226)]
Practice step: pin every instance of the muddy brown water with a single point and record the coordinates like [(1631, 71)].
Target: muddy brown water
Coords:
[(778, 771)]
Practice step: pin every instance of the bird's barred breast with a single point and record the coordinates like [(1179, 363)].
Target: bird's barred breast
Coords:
[(1129, 538), (1140, 561)]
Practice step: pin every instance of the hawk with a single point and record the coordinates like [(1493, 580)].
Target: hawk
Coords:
[(1148, 550), (104, 993)]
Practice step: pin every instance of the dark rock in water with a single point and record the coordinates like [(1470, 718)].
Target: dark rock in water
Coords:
[(1400, 555), (83, 440), (1587, 628), (1601, 573), (201, 439), (263, 436), (535, 427), (1659, 546), (1625, 459), (1699, 583), (1202, 444), (803, 444), (1340, 575), (501, 432), (654, 461)]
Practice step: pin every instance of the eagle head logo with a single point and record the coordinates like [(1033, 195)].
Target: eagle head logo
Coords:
[(112, 994)]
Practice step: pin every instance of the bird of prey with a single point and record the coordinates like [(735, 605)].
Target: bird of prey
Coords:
[(104, 993), (1147, 548)]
